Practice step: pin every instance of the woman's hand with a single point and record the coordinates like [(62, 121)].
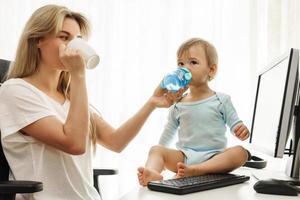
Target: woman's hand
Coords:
[(71, 59), (163, 99), (241, 131)]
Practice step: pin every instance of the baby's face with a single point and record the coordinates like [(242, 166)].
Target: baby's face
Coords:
[(195, 60)]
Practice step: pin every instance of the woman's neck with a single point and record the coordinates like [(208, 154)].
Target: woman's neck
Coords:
[(46, 79)]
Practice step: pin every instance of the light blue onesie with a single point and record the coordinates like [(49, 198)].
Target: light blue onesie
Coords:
[(201, 127)]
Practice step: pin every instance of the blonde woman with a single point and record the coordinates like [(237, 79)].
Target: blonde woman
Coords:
[(200, 119), (47, 129)]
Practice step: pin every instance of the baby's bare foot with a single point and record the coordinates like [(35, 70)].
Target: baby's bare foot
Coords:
[(145, 175), (184, 170)]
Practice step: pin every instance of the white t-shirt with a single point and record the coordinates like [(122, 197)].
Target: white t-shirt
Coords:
[(64, 176)]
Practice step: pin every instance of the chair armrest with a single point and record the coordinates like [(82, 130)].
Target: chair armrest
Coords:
[(13, 187), (98, 172)]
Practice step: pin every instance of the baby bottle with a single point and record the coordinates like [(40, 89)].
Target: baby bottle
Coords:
[(176, 79)]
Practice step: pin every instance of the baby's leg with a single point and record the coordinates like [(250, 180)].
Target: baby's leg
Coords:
[(224, 162), (159, 157)]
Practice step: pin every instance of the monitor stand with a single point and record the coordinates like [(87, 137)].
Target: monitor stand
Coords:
[(293, 163), (275, 169), (265, 174), (286, 168)]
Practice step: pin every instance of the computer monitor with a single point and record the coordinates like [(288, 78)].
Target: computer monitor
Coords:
[(275, 124)]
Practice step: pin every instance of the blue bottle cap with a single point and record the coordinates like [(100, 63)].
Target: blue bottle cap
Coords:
[(187, 74)]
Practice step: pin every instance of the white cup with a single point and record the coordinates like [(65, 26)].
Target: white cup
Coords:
[(89, 54)]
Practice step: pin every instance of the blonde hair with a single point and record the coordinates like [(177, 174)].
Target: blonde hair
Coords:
[(44, 21), (209, 49)]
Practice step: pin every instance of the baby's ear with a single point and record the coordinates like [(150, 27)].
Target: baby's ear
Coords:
[(213, 70)]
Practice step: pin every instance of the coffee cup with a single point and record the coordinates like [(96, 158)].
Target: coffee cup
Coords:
[(88, 53)]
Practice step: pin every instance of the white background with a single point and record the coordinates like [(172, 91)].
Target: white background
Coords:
[(137, 41)]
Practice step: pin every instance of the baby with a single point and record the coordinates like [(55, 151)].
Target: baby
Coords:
[(200, 118)]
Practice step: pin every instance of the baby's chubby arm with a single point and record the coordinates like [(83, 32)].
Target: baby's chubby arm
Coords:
[(241, 131)]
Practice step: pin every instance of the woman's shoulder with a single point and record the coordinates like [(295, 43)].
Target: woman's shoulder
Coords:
[(17, 87), (14, 83)]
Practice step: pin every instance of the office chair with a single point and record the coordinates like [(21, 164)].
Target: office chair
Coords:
[(9, 189)]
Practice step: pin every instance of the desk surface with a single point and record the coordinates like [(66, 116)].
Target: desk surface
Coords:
[(243, 191)]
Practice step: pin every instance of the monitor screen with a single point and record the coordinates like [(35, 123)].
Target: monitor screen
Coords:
[(274, 105)]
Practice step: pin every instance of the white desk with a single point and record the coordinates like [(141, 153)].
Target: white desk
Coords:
[(243, 191)]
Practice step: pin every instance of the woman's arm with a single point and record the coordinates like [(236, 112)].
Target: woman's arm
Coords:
[(117, 139), (70, 136)]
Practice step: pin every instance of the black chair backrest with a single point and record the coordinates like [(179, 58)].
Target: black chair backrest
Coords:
[(4, 168), (4, 65)]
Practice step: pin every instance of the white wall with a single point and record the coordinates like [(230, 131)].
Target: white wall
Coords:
[(137, 42)]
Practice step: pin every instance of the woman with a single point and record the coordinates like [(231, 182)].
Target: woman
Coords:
[(48, 132)]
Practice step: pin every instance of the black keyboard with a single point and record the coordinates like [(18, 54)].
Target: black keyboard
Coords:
[(196, 183)]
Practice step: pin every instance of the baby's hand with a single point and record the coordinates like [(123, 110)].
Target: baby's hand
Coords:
[(241, 131)]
